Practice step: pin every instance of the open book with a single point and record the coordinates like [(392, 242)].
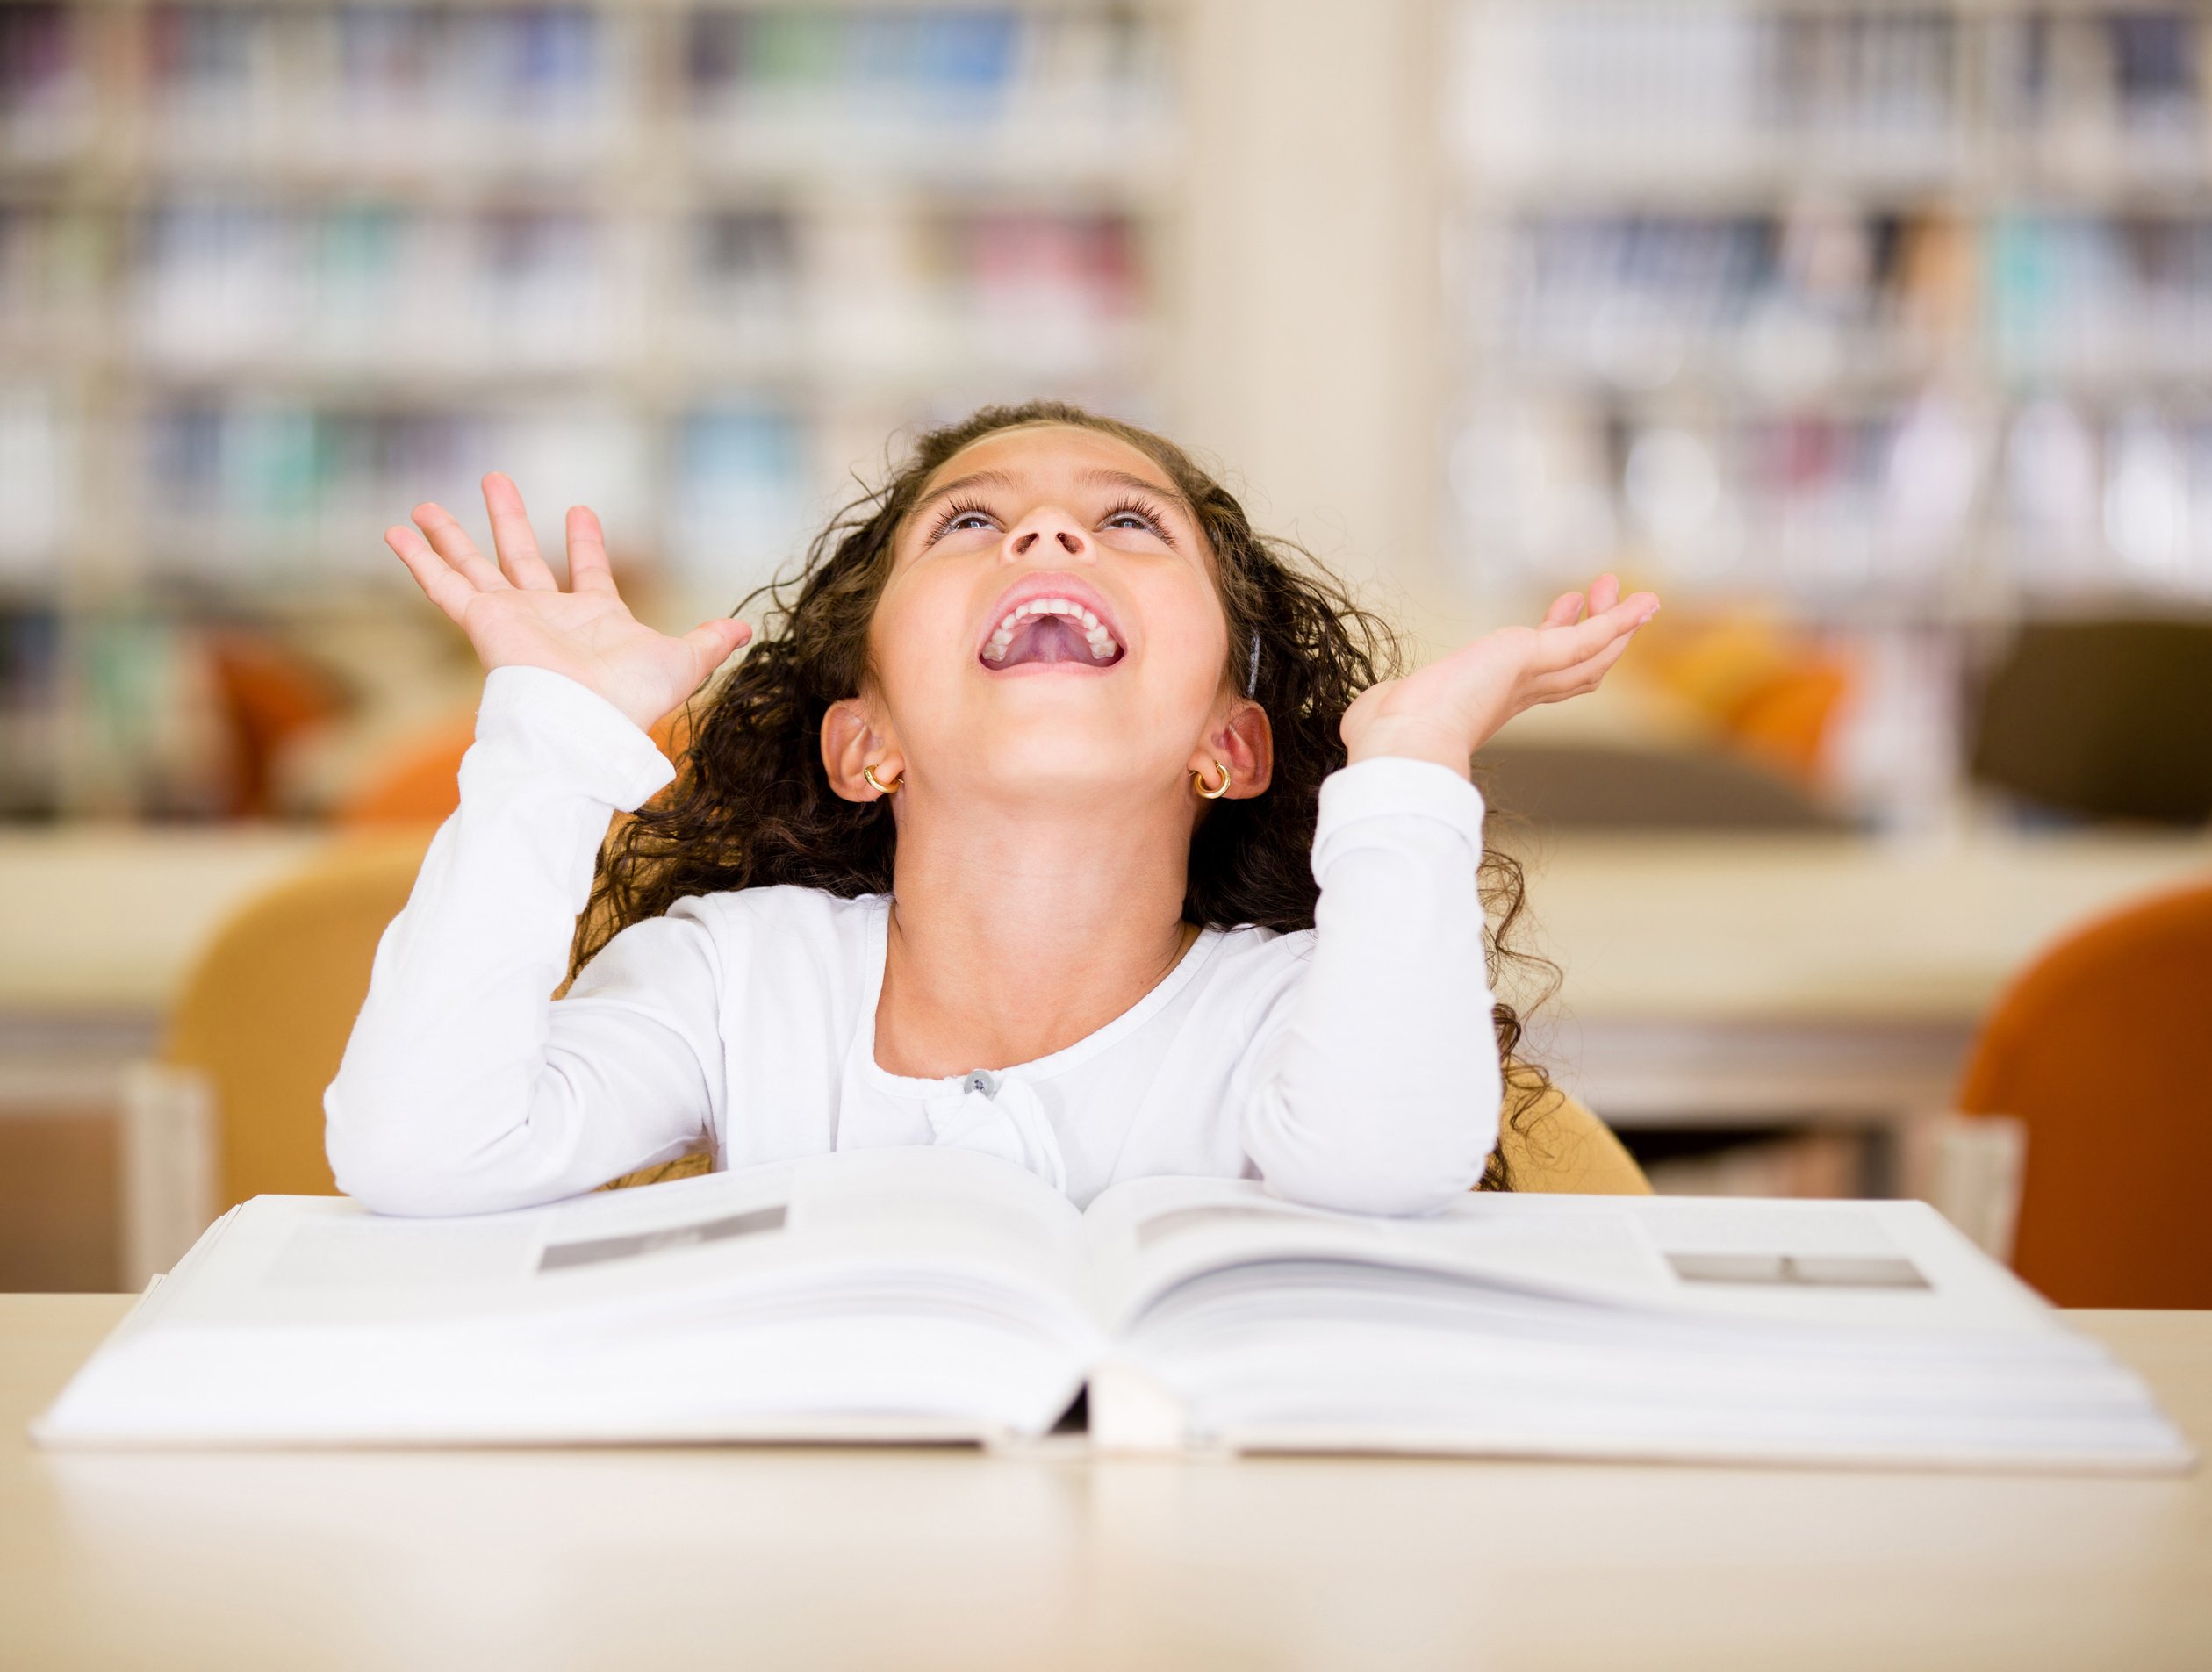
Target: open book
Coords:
[(939, 1294)]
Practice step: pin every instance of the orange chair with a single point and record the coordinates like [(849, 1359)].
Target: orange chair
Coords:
[(2103, 1050), (417, 782)]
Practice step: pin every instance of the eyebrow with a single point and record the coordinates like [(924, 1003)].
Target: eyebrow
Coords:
[(979, 478), (1098, 477)]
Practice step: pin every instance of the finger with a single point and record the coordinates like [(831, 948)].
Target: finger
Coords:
[(712, 642), (514, 538), (1565, 610), (440, 584), (1583, 676), (589, 572), (1563, 647), (1604, 592), (453, 544)]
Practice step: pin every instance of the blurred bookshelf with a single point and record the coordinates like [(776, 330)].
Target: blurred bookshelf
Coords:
[(1894, 317), (272, 273)]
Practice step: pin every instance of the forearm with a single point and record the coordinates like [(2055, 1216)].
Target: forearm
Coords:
[(453, 1094), (1382, 1092)]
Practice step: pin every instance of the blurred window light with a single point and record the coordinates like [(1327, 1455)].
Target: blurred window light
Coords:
[(1673, 484), (2146, 499)]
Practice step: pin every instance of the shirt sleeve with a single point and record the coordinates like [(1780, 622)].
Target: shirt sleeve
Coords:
[(1377, 1083), (465, 1086)]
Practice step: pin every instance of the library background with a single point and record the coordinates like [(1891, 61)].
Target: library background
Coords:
[(1877, 337)]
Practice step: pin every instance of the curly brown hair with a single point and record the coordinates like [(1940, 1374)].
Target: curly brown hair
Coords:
[(752, 807)]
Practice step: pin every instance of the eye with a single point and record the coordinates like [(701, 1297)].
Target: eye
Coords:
[(1135, 514), (959, 515)]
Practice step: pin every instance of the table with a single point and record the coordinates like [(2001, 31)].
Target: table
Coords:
[(103, 922), (670, 1558), (1742, 978)]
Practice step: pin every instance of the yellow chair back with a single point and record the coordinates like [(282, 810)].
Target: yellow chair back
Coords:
[(265, 1013), (1553, 1144)]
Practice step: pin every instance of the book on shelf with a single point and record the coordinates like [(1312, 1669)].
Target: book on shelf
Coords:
[(1715, 89), (938, 1294)]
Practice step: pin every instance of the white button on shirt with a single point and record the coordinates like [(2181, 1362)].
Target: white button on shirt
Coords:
[(1352, 1065)]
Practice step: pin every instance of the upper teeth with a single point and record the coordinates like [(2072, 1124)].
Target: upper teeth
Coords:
[(1101, 639)]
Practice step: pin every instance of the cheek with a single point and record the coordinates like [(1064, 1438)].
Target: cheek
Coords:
[(914, 640), (1187, 646)]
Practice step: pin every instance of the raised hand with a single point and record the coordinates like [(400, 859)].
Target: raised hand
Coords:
[(516, 614), (1454, 706)]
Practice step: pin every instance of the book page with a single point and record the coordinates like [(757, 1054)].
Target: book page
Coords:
[(914, 1293), (323, 1260), (1613, 1326), (1149, 1234), (1887, 1263)]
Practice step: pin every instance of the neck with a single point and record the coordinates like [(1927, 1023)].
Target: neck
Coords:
[(1016, 932)]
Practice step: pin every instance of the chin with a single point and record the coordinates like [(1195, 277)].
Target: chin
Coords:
[(1055, 760)]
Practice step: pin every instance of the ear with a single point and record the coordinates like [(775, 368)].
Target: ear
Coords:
[(1241, 740), (849, 743)]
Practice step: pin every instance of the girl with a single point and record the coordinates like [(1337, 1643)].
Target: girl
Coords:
[(1060, 817)]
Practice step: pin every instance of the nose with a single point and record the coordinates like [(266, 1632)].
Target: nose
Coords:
[(1048, 523)]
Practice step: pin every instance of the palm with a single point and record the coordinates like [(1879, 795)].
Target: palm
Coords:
[(1457, 689), (516, 614), (1450, 708)]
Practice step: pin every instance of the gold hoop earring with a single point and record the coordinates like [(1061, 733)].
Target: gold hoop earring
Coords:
[(1198, 782), (879, 785)]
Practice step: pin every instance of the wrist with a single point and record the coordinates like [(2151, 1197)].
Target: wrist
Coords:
[(1411, 739), (623, 699), (561, 722)]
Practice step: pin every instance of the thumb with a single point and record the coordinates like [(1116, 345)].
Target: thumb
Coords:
[(712, 642)]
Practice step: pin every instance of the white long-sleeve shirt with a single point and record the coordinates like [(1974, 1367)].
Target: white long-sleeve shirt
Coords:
[(1351, 1066)]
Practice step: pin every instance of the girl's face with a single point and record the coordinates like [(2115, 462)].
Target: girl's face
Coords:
[(1051, 626)]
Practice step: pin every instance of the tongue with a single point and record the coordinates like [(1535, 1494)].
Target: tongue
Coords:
[(1047, 638)]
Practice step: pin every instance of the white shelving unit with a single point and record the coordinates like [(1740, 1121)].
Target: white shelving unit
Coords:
[(1892, 320), (1899, 314), (272, 271)]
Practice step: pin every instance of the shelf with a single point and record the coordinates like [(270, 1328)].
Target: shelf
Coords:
[(491, 235), (1655, 184), (1888, 313)]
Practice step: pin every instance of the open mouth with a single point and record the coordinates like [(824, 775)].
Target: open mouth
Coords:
[(1050, 630)]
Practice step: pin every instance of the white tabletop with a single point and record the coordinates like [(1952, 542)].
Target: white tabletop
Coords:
[(666, 1558), (1781, 929), (106, 918)]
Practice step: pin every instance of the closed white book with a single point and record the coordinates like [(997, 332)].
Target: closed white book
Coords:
[(936, 1294)]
